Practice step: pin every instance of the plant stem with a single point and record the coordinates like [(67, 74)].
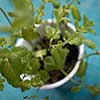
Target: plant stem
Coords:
[(72, 80), (88, 55), (3, 12)]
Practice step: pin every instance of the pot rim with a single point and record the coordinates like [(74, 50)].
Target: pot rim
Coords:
[(71, 74)]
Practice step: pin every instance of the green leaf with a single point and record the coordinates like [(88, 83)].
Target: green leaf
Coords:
[(94, 90), (75, 13), (82, 69), (1, 84), (36, 81), (32, 66), (11, 69), (87, 22), (52, 32), (75, 89), (2, 41), (25, 85), (40, 53), (76, 39), (10, 41), (89, 43), (46, 98), (29, 33), (24, 11), (78, 1), (44, 75), (49, 63), (59, 55), (55, 3), (4, 53), (5, 29)]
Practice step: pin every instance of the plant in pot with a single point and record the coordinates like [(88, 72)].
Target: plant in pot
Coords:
[(45, 53)]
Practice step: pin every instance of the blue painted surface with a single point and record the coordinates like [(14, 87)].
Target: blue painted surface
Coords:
[(92, 8)]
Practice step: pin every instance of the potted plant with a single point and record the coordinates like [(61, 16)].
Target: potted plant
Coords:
[(45, 53)]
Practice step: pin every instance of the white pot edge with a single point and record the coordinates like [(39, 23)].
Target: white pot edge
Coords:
[(70, 75)]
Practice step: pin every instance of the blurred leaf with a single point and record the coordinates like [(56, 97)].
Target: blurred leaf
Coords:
[(46, 98), (94, 90), (49, 63), (32, 66), (25, 85), (40, 53), (24, 11), (82, 69), (75, 89), (76, 39), (59, 55), (75, 13), (4, 53), (1, 84), (87, 22), (36, 81), (5, 29), (29, 33), (52, 33), (10, 41), (11, 69), (55, 3), (89, 43), (44, 75), (78, 1)]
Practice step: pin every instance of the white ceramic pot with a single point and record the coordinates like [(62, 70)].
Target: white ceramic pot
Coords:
[(22, 42)]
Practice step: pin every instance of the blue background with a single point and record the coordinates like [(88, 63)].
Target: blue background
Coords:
[(92, 8)]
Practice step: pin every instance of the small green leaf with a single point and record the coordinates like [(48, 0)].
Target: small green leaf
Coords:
[(40, 53), (78, 1), (89, 43), (59, 55), (11, 69), (76, 39), (55, 3), (75, 13), (5, 29), (4, 53), (52, 33), (46, 98), (82, 69), (10, 41), (1, 84), (44, 75), (29, 33), (49, 63), (32, 66), (75, 89), (36, 81), (25, 85), (94, 90)]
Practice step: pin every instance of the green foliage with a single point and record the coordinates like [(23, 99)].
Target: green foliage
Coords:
[(40, 53), (1, 84), (59, 55), (29, 33), (25, 85), (89, 43), (75, 89), (52, 51), (82, 69), (94, 90), (75, 13), (32, 66), (52, 33)]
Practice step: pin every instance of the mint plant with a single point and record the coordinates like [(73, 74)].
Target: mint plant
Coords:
[(51, 48)]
